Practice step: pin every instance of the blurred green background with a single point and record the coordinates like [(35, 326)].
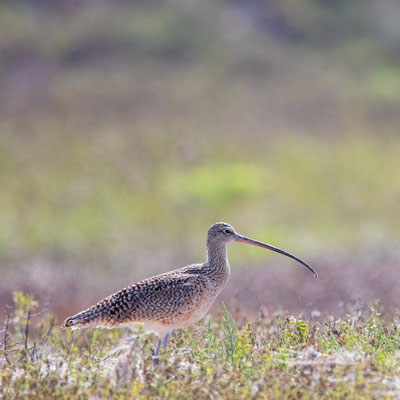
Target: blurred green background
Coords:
[(127, 128)]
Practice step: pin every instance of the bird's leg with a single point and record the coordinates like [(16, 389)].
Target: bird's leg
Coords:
[(157, 353), (166, 340)]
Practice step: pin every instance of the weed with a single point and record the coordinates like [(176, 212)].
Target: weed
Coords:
[(284, 356)]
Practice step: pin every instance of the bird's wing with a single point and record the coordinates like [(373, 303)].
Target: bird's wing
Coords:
[(153, 299)]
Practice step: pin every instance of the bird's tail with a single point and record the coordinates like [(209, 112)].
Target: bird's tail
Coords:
[(112, 311)]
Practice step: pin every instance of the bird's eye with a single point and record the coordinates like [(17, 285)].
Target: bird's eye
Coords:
[(227, 231)]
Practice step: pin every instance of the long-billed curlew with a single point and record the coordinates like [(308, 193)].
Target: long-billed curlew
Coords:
[(174, 299)]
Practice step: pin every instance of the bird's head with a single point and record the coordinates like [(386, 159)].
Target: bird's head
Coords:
[(223, 233)]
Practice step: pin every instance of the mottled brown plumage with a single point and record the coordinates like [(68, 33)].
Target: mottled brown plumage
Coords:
[(174, 299)]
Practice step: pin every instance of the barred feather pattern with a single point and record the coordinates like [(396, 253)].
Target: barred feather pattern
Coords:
[(168, 299), (163, 302)]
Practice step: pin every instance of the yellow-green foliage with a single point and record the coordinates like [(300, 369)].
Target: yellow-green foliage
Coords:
[(282, 356), (309, 185), (132, 117)]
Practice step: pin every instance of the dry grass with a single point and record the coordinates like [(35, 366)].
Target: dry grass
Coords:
[(281, 356)]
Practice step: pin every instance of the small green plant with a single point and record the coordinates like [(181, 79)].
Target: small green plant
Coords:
[(282, 357), (230, 339)]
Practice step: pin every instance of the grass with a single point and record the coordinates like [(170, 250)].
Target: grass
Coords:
[(342, 192), (282, 356)]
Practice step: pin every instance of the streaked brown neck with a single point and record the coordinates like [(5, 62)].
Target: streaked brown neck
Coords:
[(217, 265)]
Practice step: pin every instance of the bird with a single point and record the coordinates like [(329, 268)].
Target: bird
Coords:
[(174, 299)]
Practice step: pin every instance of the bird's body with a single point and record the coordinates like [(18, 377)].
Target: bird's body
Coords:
[(161, 303), (172, 300)]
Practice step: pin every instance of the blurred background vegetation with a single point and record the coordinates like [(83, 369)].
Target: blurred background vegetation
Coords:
[(127, 128)]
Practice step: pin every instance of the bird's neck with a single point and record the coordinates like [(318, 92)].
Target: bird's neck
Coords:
[(217, 264)]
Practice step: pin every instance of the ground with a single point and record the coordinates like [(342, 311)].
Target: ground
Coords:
[(272, 356)]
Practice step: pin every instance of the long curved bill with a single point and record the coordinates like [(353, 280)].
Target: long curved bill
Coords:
[(243, 239)]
